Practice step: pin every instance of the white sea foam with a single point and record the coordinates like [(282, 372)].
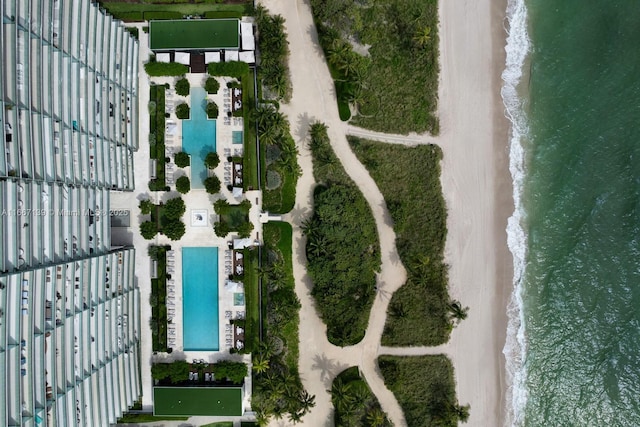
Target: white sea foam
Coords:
[(517, 49)]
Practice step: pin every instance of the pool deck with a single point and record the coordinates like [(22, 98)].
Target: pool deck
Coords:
[(196, 234)]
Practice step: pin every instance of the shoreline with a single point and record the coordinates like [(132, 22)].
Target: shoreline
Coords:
[(477, 186)]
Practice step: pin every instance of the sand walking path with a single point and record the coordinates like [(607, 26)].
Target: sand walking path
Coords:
[(474, 140)]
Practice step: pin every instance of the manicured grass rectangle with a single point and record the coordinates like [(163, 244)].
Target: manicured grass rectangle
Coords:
[(194, 34), (218, 401)]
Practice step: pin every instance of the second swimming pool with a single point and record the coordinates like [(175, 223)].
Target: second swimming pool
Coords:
[(200, 299)]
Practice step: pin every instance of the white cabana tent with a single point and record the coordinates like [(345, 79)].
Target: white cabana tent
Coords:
[(183, 57), (247, 57), (246, 32), (210, 57), (163, 57), (237, 192), (232, 286), (243, 243), (230, 55)]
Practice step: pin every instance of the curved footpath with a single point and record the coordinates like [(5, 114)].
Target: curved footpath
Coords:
[(469, 104)]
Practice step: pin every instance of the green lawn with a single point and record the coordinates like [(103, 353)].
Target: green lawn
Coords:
[(409, 179), (219, 424), (425, 388), (194, 34), (219, 401)]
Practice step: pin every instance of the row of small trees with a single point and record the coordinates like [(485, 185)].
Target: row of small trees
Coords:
[(178, 371)]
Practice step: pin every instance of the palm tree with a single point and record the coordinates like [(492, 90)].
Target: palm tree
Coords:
[(318, 130), (462, 412), (262, 419), (338, 49), (260, 363), (341, 396), (423, 36), (376, 418), (307, 401), (457, 312)]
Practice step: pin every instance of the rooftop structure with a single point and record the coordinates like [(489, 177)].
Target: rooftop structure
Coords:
[(69, 304)]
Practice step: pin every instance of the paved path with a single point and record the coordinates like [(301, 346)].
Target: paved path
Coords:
[(314, 100)]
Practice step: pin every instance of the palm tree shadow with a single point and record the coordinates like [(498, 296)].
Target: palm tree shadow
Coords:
[(298, 214), (304, 121), (328, 368)]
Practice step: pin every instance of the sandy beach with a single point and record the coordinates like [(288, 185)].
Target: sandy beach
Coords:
[(478, 192)]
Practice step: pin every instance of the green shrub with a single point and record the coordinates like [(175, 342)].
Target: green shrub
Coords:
[(212, 184), (182, 159), (212, 85), (232, 69), (212, 110), (183, 185), (145, 29), (244, 229), (159, 69), (148, 230), (133, 31), (221, 229), (146, 206), (223, 14), (183, 87), (233, 371), (183, 111), (212, 160), (174, 229), (174, 208)]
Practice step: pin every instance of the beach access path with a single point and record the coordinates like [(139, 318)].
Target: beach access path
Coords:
[(474, 142)]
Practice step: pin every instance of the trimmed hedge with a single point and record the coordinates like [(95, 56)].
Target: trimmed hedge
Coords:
[(212, 85), (159, 69), (183, 111), (232, 69)]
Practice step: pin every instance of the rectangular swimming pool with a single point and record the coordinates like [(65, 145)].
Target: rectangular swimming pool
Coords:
[(236, 137), (200, 299), (198, 136)]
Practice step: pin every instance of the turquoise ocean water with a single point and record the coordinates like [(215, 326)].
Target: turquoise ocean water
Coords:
[(572, 92)]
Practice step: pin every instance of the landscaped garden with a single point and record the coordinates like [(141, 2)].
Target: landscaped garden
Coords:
[(158, 299), (232, 218), (165, 219), (280, 159), (277, 389), (343, 250), (383, 55), (274, 50), (425, 389), (156, 136), (354, 403), (409, 178), (225, 372)]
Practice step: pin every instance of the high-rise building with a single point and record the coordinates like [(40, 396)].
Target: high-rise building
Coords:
[(69, 302)]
